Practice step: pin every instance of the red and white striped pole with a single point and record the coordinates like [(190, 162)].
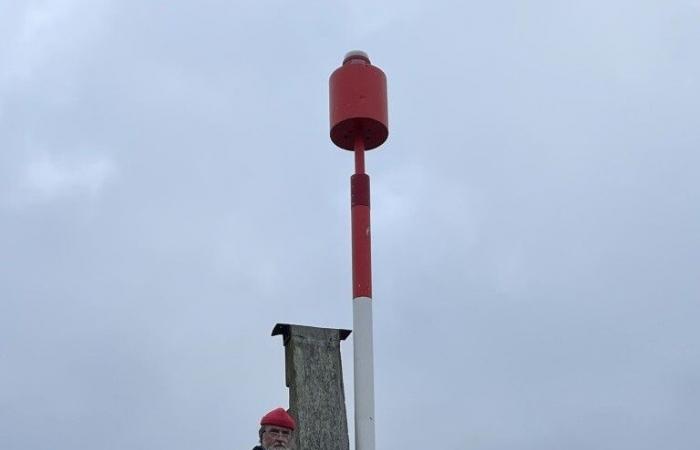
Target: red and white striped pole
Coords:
[(358, 110)]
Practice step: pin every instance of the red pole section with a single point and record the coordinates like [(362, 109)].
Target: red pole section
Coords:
[(359, 155), (361, 237)]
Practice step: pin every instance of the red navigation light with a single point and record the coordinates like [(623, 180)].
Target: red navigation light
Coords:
[(358, 104)]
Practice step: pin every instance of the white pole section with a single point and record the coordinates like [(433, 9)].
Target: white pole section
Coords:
[(364, 372)]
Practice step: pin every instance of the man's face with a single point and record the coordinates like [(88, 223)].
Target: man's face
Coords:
[(276, 438)]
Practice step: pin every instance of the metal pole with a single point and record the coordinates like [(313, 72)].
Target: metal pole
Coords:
[(359, 122), (362, 303)]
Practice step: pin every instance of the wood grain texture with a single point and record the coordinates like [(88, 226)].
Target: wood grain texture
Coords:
[(314, 376)]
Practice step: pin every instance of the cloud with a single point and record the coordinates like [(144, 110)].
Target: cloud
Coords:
[(47, 178), (39, 36)]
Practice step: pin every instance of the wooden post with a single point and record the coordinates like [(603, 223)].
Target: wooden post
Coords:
[(314, 376)]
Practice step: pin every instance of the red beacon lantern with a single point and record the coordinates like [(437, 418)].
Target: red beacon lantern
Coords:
[(358, 105)]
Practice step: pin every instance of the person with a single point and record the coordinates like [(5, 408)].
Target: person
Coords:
[(276, 431)]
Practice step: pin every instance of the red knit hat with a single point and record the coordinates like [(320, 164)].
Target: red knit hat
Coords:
[(278, 417)]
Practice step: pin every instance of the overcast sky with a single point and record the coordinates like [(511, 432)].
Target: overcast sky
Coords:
[(168, 192)]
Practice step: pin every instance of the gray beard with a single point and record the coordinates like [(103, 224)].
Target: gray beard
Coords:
[(277, 447)]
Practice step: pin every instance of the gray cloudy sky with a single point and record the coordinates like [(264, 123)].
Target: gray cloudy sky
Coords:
[(168, 192)]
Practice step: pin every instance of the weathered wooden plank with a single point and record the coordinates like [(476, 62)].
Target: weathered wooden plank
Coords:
[(314, 376)]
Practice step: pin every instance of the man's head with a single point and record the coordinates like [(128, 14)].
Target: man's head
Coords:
[(276, 430)]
